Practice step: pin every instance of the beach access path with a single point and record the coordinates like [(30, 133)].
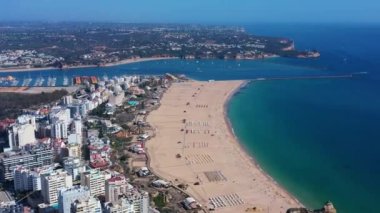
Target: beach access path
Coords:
[(194, 144)]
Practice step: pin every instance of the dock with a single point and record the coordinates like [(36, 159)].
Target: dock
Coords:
[(306, 77)]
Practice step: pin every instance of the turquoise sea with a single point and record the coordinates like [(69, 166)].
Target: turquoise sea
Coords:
[(320, 139)]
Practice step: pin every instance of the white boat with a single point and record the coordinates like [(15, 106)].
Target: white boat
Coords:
[(54, 82), (14, 83), (65, 81), (42, 81)]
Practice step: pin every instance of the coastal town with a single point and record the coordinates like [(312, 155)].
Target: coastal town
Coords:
[(75, 155), (65, 45), (194, 106), (101, 148)]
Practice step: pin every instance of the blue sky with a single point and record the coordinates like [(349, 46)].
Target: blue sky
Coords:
[(192, 11)]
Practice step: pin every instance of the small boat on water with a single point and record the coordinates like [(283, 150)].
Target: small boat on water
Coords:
[(14, 83), (53, 81), (65, 81)]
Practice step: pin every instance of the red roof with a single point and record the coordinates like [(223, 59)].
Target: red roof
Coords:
[(99, 164)]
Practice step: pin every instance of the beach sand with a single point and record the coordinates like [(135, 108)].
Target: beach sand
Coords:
[(209, 152)]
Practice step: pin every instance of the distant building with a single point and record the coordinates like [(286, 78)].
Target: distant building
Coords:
[(78, 126), (60, 114), (30, 157), (74, 150), (95, 180), (68, 99), (116, 99), (52, 182), (74, 110), (67, 196), (91, 205), (27, 119), (115, 187), (59, 129), (44, 130)]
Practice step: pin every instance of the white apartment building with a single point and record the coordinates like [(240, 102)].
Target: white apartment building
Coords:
[(132, 202), (67, 196), (62, 114), (67, 100), (25, 179), (20, 134), (91, 205), (115, 187), (95, 180), (59, 129), (77, 126), (74, 166), (52, 182)]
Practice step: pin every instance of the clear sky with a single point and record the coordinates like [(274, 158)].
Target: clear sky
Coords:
[(192, 11)]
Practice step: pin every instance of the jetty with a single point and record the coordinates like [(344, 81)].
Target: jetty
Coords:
[(306, 77)]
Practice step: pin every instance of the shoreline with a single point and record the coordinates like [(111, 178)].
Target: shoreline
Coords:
[(241, 145), (224, 145), (68, 68), (121, 62)]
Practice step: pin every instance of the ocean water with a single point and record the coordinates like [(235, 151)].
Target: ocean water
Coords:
[(320, 139)]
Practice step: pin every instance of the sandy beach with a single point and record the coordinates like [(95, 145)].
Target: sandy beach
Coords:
[(126, 61), (194, 144)]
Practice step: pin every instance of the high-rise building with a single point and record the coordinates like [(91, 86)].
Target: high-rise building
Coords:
[(132, 202), (61, 114), (78, 126), (74, 150), (20, 134), (115, 187), (83, 109), (74, 166), (59, 129), (27, 119), (91, 205), (67, 196), (95, 180), (52, 182), (68, 99), (30, 179), (30, 156), (44, 130), (74, 110)]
